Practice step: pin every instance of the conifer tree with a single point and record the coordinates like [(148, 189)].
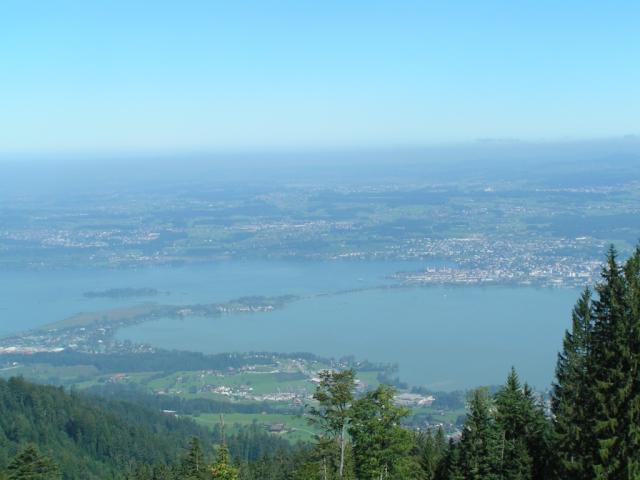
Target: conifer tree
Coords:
[(538, 436), (29, 464), (432, 449), (450, 468), (193, 464), (596, 399), (632, 417), (610, 366), (443, 447), (479, 454), (512, 414), (571, 401), (222, 469)]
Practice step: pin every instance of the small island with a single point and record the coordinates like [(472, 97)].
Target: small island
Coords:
[(122, 293)]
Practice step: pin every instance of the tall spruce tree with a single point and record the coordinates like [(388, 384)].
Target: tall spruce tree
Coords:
[(480, 447), (596, 398), (571, 401), (222, 469), (193, 464), (538, 436), (609, 366), (431, 450), (451, 466), (513, 417), (632, 417)]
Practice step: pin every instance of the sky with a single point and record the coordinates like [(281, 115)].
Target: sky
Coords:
[(156, 75)]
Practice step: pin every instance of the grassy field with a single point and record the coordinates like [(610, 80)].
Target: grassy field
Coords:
[(190, 384), (297, 427), (186, 384), (49, 374)]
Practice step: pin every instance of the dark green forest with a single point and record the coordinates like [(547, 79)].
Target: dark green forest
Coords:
[(590, 428)]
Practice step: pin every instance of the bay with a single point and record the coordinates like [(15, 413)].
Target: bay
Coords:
[(32, 298), (443, 337)]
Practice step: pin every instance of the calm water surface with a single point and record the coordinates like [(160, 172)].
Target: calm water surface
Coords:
[(446, 338), (32, 298)]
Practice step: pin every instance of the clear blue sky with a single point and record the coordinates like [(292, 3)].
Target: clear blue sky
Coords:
[(234, 74)]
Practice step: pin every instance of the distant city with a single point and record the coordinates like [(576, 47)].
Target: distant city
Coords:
[(471, 231)]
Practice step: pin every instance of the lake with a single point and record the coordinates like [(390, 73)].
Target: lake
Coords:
[(443, 337), (32, 298)]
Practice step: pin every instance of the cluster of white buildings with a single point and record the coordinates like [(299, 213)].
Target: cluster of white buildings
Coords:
[(414, 400)]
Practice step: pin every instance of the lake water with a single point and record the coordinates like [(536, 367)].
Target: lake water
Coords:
[(446, 338), (32, 298)]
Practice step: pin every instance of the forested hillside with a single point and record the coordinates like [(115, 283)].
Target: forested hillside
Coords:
[(87, 438), (94, 438), (589, 430)]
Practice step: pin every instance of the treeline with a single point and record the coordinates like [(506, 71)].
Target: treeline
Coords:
[(506, 436), (171, 361), (88, 438), (360, 438), (160, 361)]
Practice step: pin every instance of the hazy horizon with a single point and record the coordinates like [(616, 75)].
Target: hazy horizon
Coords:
[(429, 152)]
